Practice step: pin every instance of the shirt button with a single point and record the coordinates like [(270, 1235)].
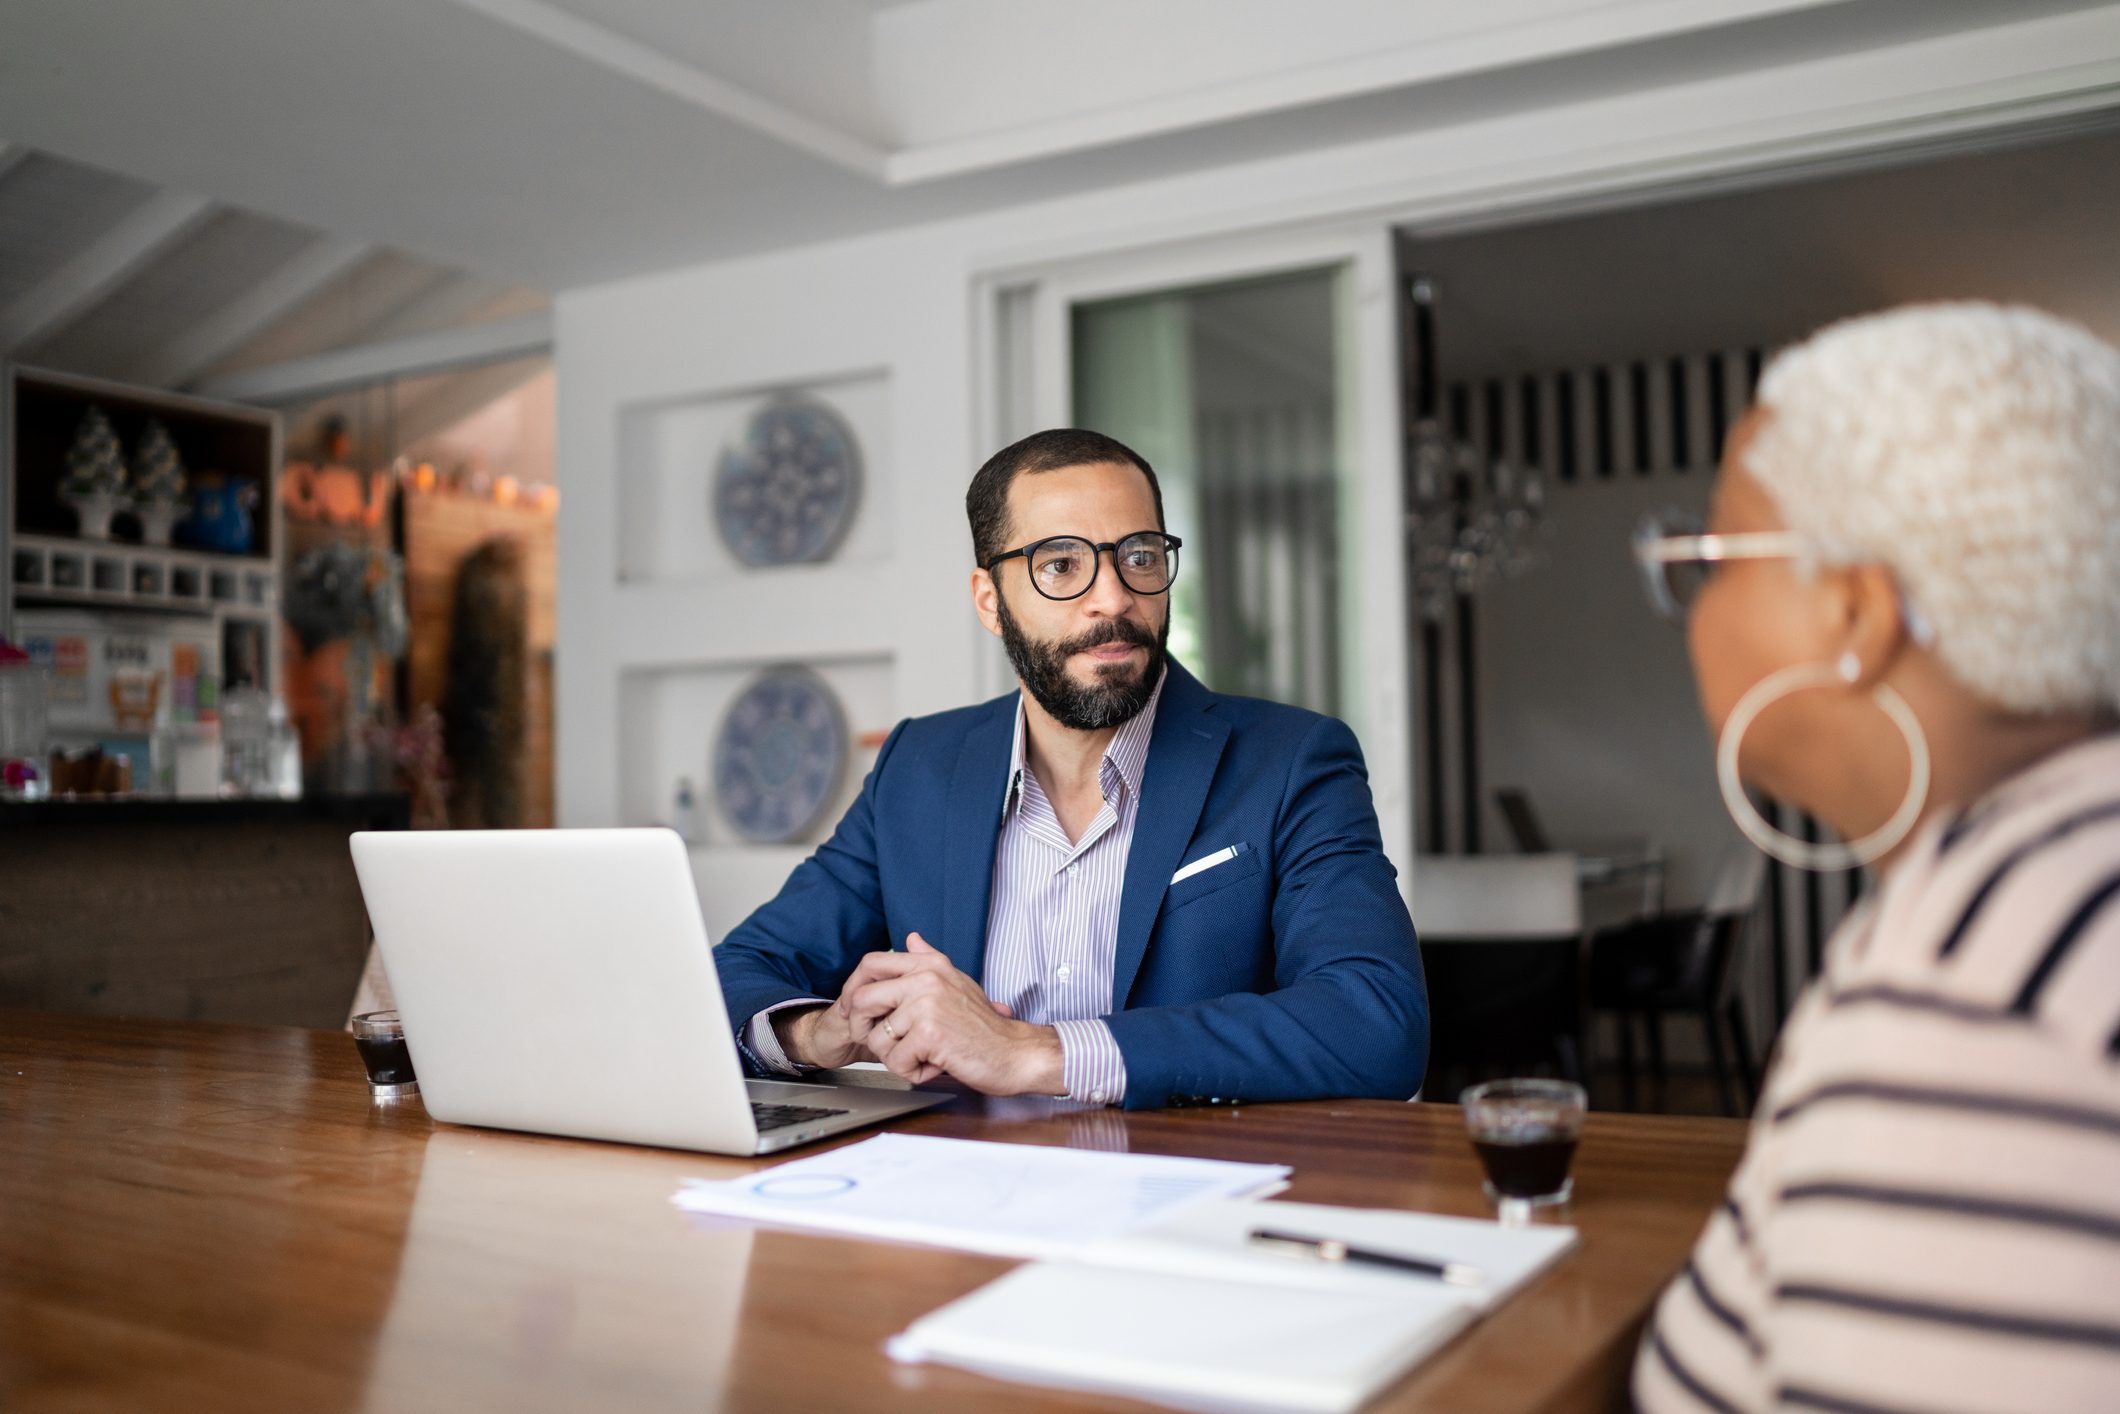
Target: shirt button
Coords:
[(1096, 1097), (1063, 972), (1071, 870)]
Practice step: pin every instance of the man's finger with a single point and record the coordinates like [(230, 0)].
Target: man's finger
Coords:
[(907, 1058), (914, 943), (880, 1043), (880, 999), (878, 966), (1003, 1009)]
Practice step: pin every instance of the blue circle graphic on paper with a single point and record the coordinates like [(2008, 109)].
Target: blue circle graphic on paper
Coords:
[(803, 1186), (779, 755), (786, 488)]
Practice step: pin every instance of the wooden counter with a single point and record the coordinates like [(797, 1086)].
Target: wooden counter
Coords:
[(199, 1216), (238, 910)]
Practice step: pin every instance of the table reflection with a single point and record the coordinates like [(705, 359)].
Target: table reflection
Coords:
[(562, 1269)]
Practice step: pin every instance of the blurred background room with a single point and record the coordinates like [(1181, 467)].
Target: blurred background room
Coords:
[(512, 413)]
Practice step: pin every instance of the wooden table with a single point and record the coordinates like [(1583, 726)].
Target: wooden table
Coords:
[(214, 1217)]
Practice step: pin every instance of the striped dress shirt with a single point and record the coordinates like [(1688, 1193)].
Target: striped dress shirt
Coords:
[(1052, 923), (1928, 1214), (1052, 929)]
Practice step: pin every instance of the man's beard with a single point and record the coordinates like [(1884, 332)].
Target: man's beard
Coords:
[(1119, 692)]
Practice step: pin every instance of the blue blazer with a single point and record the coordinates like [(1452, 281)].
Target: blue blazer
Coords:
[(1290, 972)]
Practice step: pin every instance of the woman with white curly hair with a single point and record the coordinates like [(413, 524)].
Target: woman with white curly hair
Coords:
[(1907, 622)]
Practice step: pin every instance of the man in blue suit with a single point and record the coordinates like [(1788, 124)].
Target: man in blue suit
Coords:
[(1114, 884)]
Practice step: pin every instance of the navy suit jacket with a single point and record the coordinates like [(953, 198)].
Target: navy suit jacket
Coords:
[(1290, 972)]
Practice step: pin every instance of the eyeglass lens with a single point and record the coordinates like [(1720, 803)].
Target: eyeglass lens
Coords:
[(1064, 568), (1683, 581), (1671, 585)]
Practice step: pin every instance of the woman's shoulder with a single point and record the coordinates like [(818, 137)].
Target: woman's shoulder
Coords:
[(2011, 911)]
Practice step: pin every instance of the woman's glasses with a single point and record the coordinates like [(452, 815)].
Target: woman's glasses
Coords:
[(1677, 560), (1065, 566)]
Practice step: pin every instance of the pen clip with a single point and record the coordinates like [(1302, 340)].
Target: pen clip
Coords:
[(1315, 1248), (1332, 1249)]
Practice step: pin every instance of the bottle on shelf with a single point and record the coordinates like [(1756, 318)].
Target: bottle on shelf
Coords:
[(246, 768), (283, 751)]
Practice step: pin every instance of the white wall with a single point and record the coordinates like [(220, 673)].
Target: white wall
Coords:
[(912, 305)]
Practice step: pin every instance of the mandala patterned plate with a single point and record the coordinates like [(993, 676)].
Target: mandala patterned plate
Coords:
[(779, 755), (785, 490)]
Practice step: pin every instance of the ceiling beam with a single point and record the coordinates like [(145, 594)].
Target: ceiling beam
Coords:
[(234, 324), (113, 258), (631, 59), (318, 374), (453, 297)]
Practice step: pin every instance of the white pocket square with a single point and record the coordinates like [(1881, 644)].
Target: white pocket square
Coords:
[(1207, 862)]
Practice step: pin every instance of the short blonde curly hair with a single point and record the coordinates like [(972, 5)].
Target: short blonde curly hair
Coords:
[(1974, 450)]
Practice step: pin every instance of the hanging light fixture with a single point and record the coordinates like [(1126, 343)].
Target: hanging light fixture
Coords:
[(1470, 518)]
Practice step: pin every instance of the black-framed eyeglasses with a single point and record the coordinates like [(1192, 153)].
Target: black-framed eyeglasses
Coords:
[(1065, 566)]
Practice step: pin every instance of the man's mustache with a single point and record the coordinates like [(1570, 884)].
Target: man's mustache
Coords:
[(1110, 631)]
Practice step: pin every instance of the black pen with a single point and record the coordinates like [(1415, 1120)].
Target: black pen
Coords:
[(1331, 1249)]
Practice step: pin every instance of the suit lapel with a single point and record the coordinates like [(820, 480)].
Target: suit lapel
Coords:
[(1182, 754), (978, 785)]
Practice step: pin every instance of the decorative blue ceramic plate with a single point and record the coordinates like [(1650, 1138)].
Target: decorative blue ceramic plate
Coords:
[(786, 488), (779, 755)]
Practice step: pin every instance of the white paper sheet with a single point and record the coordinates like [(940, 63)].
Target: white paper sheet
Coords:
[(1009, 1200)]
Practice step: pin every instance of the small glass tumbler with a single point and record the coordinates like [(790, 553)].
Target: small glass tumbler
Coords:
[(1525, 1132), (380, 1037)]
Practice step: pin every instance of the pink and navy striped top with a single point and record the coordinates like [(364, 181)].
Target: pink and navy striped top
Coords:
[(1928, 1214)]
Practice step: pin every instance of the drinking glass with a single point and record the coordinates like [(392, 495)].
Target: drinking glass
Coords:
[(1525, 1132), (380, 1038)]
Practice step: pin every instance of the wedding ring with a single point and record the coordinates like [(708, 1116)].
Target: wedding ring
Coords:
[(887, 1029)]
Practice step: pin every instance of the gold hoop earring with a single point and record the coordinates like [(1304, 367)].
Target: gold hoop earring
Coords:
[(1803, 854)]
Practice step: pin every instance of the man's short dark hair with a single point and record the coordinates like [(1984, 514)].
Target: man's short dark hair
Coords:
[(986, 503)]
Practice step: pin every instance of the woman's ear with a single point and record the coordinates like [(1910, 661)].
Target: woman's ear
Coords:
[(1873, 623)]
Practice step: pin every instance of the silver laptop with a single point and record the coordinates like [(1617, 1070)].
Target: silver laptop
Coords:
[(560, 981)]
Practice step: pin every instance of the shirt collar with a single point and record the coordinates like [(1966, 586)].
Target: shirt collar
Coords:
[(1126, 753)]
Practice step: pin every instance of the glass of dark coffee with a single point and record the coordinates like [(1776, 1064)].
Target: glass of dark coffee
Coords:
[(1525, 1133), (380, 1038)]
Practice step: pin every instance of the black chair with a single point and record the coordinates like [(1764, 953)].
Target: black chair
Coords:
[(1501, 941), (1523, 822), (1683, 963), (1502, 1009)]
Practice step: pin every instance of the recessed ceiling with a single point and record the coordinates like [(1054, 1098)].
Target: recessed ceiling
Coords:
[(2033, 223), (561, 142)]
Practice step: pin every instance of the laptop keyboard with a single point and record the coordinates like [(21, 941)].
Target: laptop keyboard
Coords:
[(781, 1116)]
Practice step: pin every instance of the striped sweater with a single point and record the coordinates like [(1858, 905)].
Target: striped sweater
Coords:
[(1928, 1214)]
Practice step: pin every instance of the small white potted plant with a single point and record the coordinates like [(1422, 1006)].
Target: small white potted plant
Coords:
[(94, 484), (157, 484)]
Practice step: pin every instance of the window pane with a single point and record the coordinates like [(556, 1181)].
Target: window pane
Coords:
[(1228, 391)]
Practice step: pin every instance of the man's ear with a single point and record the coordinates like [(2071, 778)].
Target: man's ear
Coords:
[(984, 602)]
